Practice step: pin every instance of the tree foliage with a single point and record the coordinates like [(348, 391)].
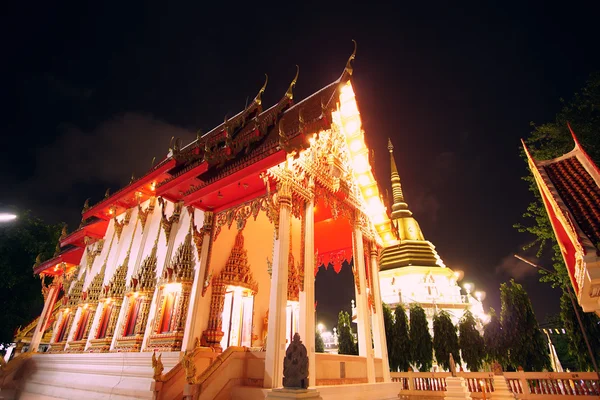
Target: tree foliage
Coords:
[(548, 141), (577, 346), (319, 344), (402, 338), (525, 343), (445, 340), (493, 340), (389, 325), (470, 342), (346, 344), (21, 299), (420, 339)]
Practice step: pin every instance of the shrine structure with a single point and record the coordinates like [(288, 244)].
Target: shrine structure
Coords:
[(570, 189), (209, 259), (413, 272)]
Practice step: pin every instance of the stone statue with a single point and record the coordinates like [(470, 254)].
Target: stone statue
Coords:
[(452, 365), (295, 365)]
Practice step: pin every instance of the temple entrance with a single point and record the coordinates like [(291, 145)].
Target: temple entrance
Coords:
[(334, 277), (238, 308)]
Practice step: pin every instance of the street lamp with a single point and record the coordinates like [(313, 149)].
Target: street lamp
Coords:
[(7, 217), (571, 296), (468, 287), (321, 327)]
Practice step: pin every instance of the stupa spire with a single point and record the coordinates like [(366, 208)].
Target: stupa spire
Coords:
[(396, 187), (413, 249), (399, 207)]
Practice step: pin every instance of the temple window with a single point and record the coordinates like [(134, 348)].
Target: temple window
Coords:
[(170, 294), (62, 330), (104, 318), (237, 317), (83, 322), (132, 315)]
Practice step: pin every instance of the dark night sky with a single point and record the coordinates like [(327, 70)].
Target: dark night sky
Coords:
[(94, 91)]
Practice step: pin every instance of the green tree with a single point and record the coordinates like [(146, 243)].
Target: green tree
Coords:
[(346, 344), (523, 339), (20, 292), (548, 141), (319, 344), (445, 340), (420, 339), (470, 342), (401, 338), (577, 347), (389, 325), (493, 339)]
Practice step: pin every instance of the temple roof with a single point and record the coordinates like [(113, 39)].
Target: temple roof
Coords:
[(573, 180)]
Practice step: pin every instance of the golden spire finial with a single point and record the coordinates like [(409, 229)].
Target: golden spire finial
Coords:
[(397, 194), (258, 98), (349, 68), (63, 233), (290, 94), (86, 206)]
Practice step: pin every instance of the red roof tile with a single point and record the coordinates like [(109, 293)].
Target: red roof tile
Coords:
[(580, 194)]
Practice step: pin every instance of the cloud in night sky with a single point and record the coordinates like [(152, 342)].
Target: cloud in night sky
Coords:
[(86, 163), (515, 268)]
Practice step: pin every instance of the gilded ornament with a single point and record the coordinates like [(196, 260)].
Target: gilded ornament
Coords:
[(157, 366), (190, 367), (143, 214), (167, 223), (349, 68), (258, 98), (290, 92)]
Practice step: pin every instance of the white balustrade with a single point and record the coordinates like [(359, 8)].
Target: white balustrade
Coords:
[(524, 385)]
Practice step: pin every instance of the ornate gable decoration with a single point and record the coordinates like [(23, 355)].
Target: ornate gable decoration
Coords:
[(95, 289), (116, 285), (145, 279), (182, 265), (237, 270), (76, 291)]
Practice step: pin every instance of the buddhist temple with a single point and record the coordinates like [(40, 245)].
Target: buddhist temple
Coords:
[(194, 278), (570, 189), (411, 271)]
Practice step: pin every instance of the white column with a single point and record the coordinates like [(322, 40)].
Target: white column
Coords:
[(377, 319), (273, 377), (365, 348), (307, 297), (47, 310), (192, 330)]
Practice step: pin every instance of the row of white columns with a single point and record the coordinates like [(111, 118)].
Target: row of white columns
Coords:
[(276, 341)]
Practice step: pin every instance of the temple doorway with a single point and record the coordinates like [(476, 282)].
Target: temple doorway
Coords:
[(238, 308), (334, 277)]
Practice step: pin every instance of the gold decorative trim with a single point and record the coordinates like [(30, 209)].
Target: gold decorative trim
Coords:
[(167, 223), (143, 215), (241, 213), (120, 225)]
